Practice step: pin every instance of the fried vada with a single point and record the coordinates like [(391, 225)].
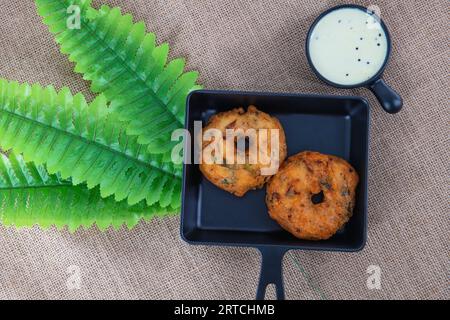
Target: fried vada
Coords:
[(312, 196), (238, 177)]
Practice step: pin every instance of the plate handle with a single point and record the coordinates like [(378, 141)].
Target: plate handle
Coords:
[(271, 271)]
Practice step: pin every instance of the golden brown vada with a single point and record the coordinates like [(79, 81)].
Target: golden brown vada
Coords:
[(239, 177), (312, 196)]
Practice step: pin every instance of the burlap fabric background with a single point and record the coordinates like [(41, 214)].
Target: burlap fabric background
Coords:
[(257, 45)]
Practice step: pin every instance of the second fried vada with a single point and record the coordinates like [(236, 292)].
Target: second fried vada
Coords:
[(312, 196)]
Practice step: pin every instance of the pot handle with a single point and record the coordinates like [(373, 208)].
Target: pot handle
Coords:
[(271, 271), (388, 98)]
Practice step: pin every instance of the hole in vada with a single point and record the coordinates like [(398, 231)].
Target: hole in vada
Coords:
[(242, 148), (317, 198)]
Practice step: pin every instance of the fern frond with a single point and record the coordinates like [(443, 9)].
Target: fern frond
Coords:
[(29, 195), (84, 142), (123, 61)]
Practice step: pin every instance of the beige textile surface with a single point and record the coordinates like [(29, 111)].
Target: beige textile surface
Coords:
[(257, 45)]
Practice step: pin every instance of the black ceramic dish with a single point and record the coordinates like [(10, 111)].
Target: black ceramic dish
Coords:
[(336, 125), (388, 98)]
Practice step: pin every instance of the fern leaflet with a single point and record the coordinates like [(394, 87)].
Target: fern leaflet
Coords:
[(84, 142), (30, 195), (124, 63)]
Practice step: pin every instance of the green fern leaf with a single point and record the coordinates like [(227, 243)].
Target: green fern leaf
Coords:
[(29, 195), (124, 63), (84, 142)]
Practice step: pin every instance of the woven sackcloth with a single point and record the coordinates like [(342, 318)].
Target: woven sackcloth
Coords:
[(256, 45)]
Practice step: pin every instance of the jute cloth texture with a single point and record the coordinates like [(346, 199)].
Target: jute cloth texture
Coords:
[(256, 45)]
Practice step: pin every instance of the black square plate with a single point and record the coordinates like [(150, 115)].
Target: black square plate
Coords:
[(336, 125)]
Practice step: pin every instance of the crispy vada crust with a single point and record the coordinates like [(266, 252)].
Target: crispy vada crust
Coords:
[(309, 176), (240, 178)]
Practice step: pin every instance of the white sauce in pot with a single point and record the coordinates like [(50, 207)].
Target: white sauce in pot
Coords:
[(348, 46)]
